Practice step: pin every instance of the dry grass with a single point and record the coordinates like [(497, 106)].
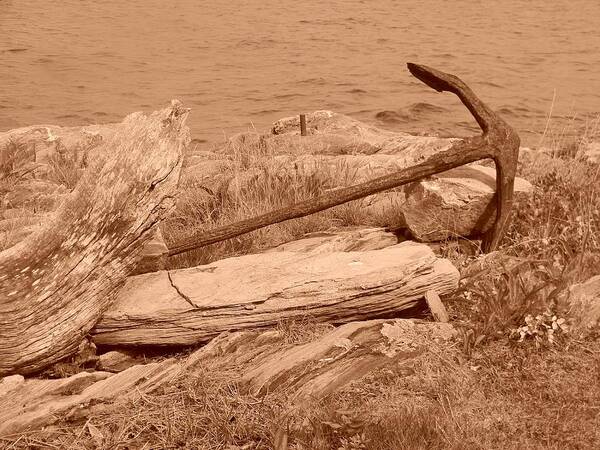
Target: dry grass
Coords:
[(488, 391), (265, 191), (18, 169), (507, 396)]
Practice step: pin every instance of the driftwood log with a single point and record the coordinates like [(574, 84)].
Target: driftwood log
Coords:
[(56, 283), (191, 306), (264, 362), (499, 142)]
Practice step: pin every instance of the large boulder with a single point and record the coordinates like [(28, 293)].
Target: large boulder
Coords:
[(459, 202)]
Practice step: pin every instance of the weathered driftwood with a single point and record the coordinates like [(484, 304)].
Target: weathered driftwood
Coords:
[(44, 162), (264, 361), (57, 282), (498, 141), (189, 306)]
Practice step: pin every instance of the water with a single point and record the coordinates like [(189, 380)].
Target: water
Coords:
[(244, 64)]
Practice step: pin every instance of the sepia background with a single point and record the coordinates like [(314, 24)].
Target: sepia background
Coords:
[(244, 64)]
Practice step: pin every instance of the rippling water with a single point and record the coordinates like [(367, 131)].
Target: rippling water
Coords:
[(243, 64)]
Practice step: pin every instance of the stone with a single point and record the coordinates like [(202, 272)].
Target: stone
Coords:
[(38, 147), (35, 403), (459, 202), (591, 152), (191, 306), (584, 299), (10, 383), (345, 240), (117, 361), (264, 363), (153, 256)]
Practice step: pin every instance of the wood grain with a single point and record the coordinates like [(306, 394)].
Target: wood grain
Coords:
[(55, 284)]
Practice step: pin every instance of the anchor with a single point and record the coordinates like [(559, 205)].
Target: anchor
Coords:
[(499, 141)]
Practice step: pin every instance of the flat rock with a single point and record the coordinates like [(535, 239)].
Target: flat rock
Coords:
[(117, 361), (325, 364), (189, 306), (459, 202), (34, 403), (264, 361), (346, 240)]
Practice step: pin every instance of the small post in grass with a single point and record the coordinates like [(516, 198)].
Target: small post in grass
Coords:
[(438, 310), (302, 125)]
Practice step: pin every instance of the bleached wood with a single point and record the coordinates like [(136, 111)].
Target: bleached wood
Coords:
[(57, 282)]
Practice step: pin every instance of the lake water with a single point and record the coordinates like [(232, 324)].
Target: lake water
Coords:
[(243, 64)]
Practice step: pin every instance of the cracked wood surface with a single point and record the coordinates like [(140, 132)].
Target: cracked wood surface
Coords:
[(188, 306), (56, 283), (264, 361)]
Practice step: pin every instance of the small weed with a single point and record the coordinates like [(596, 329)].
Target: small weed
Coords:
[(543, 328)]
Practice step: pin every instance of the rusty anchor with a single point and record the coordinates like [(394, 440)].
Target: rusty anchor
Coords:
[(499, 141)]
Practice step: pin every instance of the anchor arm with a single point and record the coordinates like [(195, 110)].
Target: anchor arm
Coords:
[(498, 142)]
